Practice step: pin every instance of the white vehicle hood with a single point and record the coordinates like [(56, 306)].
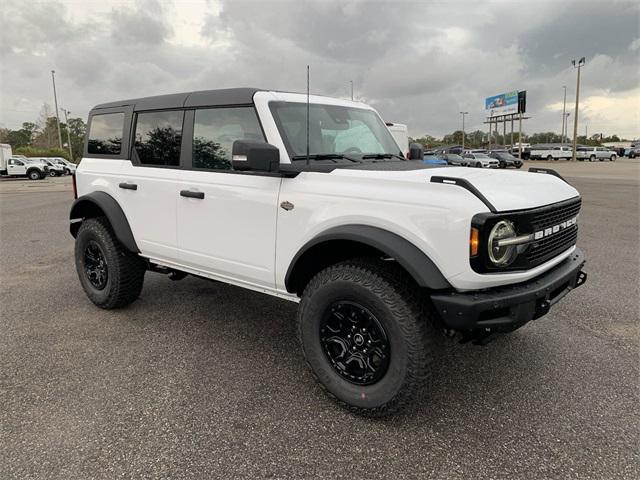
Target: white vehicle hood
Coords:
[(505, 190)]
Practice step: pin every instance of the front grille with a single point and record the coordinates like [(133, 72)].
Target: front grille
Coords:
[(547, 248), (553, 215)]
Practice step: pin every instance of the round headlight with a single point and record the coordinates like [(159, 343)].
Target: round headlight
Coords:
[(502, 255)]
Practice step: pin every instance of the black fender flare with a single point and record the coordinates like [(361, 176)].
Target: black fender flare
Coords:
[(85, 207), (410, 257)]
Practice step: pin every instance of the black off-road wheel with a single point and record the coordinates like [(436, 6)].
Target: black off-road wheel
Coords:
[(111, 276), (366, 337)]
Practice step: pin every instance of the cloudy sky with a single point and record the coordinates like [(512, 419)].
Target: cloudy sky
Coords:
[(418, 63)]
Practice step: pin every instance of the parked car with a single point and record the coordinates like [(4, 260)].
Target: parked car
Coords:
[(55, 170), (594, 154), (432, 158), (481, 160), (380, 254), (551, 152), (69, 167), (454, 159), (634, 152), (506, 159)]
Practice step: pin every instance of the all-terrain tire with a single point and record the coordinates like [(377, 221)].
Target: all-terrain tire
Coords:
[(391, 296), (125, 270)]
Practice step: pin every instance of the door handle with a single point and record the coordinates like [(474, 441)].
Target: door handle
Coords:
[(191, 194), (128, 186)]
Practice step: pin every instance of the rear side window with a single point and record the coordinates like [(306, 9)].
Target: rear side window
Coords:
[(105, 134), (215, 130), (158, 138)]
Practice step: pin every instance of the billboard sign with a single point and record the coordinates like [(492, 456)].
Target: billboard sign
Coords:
[(503, 104)]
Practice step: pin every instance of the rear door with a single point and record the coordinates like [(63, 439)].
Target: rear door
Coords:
[(226, 219), (148, 184)]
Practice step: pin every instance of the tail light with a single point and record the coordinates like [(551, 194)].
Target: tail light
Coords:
[(75, 187)]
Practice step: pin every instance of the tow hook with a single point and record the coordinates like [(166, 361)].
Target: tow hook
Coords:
[(582, 277)]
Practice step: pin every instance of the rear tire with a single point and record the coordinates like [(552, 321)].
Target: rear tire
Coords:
[(110, 275), (549, 158), (592, 158), (377, 295)]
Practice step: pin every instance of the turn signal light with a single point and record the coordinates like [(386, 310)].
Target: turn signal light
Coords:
[(474, 242)]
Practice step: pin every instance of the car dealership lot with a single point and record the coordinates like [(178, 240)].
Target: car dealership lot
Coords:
[(199, 379)]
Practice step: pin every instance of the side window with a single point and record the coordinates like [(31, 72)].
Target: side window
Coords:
[(105, 134), (215, 130), (158, 137)]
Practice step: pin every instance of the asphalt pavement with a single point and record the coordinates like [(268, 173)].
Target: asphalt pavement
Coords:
[(203, 380)]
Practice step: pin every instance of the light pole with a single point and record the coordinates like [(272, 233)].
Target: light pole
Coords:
[(351, 82), (564, 109), (66, 119), (463, 135), (55, 99), (577, 65)]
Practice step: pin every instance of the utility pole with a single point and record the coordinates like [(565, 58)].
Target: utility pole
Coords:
[(564, 109), (66, 119), (55, 99), (580, 63), (463, 135), (520, 137), (351, 82)]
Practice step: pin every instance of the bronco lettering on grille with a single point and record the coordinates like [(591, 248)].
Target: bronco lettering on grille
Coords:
[(555, 229)]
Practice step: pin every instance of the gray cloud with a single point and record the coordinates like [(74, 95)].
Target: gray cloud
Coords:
[(419, 63)]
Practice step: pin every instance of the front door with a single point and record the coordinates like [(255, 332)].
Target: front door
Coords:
[(226, 219), (16, 167)]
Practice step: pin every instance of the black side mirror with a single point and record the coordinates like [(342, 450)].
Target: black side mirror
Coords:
[(256, 156), (416, 152)]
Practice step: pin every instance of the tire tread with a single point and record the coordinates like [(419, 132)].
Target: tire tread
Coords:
[(397, 291)]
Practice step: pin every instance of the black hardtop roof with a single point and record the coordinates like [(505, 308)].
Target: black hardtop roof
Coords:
[(223, 97)]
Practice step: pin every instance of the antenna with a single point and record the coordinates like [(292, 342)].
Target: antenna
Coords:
[(307, 115)]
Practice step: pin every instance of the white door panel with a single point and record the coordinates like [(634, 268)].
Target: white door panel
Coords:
[(232, 230), (16, 167), (151, 208)]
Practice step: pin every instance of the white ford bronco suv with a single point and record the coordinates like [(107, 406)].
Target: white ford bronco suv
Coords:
[(309, 199)]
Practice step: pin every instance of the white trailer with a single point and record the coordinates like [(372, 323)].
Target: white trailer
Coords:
[(400, 134)]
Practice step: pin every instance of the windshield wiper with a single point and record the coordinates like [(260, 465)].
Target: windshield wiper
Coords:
[(325, 156), (381, 156)]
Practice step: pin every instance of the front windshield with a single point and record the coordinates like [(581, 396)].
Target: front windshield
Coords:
[(333, 129)]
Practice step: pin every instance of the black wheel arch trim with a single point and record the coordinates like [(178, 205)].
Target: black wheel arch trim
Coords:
[(85, 205), (410, 257)]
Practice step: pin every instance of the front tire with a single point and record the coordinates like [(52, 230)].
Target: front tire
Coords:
[(33, 174), (549, 158), (110, 275), (52, 173), (365, 337), (613, 158), (592, 158)]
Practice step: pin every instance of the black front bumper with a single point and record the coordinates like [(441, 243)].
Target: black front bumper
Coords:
[(503, 309)]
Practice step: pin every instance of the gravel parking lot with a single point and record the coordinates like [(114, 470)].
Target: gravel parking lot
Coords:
[(203, 380)]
